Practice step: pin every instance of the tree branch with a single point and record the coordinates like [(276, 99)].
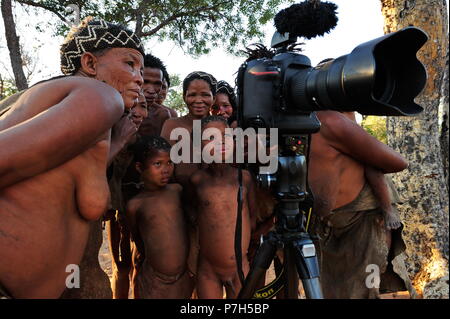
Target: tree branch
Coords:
[(179, 15), (42, 6), (139, 19)]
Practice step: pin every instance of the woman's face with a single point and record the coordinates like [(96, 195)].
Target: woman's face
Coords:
[(122, 68), (222, 106), (199, 98)]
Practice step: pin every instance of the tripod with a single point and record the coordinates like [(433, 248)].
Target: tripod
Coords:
[(290, 234)]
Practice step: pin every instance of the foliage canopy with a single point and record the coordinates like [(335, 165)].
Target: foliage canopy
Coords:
[(195, 25)]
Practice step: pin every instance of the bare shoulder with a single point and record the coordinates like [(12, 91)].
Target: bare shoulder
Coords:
[(75, 92), (175, 187), (133, 205), (248, 180), (172, 112), (246, 174), (169, 125), (197, 177), (172, 122), (75, 84)]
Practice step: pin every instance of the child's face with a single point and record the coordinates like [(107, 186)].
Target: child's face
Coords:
[(158, 169), (222, 144), (139, 112)]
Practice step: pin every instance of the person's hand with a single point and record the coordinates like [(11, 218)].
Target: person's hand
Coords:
[(124, 130)]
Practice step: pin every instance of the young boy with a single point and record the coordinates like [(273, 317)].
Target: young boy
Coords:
[(216, 188), (157, 226)]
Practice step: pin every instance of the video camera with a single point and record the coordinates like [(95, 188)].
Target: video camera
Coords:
[(379, 77)]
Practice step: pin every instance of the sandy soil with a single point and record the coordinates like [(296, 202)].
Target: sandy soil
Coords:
[(104, 256)]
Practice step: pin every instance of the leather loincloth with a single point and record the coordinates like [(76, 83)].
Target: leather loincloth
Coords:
[(353, 250)]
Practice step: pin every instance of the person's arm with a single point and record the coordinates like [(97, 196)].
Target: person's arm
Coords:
[(251, 198), (7, 102), (122, 134), (131, 219), (351, 139), (189, 198), (59, 133), (173, 112)]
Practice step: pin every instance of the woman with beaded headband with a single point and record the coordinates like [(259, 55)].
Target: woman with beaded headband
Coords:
[(55, 141)]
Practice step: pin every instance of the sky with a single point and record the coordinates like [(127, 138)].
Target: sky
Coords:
[(359, 21)]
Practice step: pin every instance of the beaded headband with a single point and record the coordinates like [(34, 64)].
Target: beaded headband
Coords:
[(95, 35)]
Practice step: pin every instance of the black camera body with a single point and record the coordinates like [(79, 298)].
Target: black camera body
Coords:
[(283, 91), (379, 77)]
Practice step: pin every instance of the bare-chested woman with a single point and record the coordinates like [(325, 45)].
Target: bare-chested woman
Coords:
[(55, 143), (199, 90)]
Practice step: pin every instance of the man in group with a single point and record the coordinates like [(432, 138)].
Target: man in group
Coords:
[(163, 93), (55, 141), (156, 84), (350, 223)]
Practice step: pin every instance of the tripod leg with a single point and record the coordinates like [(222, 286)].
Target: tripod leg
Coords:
[(308, 267), (291, 277), (261, 263)]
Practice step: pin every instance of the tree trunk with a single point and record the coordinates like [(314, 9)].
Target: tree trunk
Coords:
[(1, 87), (443, 119), (423, 185), (13, 45)]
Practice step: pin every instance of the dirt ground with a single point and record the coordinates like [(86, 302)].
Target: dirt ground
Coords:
[(104, 256), (105, 262)]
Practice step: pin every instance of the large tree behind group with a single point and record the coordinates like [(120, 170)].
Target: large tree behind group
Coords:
[(423, 140), (195, 25), (13, 45)]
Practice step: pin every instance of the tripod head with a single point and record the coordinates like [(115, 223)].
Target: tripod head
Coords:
[(289, 184)]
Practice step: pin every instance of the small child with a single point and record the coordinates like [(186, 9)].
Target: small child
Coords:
[(380, 188), (157, 225), (216, 188)]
